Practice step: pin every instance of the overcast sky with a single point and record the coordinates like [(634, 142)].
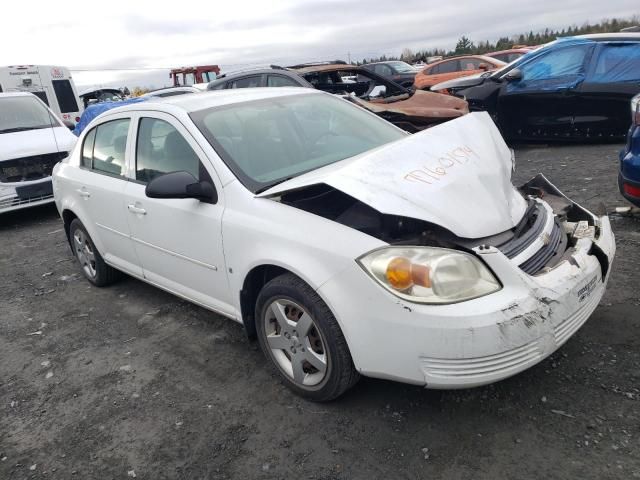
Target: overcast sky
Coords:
[(91, 35)]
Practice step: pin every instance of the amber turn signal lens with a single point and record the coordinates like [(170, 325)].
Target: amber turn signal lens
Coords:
[(402, 274), (399, 273)]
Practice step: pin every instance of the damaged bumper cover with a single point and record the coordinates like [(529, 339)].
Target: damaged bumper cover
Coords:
[(486, 339)]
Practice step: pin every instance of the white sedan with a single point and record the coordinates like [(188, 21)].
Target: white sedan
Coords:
[(32, 141), (347, 246)]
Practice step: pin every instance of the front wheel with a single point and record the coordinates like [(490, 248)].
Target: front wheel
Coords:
[(300, 335)]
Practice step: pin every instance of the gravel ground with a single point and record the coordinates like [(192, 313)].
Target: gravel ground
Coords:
[(129, 381)]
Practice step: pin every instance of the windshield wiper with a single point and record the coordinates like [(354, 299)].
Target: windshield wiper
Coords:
[(15, 129), (23, 129)]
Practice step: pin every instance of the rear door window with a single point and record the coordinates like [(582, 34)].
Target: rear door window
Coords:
[(66, 97), (280, 81), (109, 147), (445, 67), (383, 70), (470, 63), (247, 82), (617, 63)]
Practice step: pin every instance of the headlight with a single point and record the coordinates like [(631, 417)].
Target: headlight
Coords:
[(429, 274)]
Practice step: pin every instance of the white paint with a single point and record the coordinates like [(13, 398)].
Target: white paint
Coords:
[(433, 345), (456, 175), (29, 143)]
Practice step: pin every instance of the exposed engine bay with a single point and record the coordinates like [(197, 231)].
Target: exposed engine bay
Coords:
[(570, 223)]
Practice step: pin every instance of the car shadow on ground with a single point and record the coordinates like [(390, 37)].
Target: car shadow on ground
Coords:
[(28, 216)]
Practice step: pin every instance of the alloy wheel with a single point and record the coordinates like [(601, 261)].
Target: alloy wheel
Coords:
[(296, 343), (84, 252)]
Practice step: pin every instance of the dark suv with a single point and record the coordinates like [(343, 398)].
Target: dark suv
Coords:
[(575, 88)]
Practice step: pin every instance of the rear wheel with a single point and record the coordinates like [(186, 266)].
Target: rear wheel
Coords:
[(300, 335), (93, 266)]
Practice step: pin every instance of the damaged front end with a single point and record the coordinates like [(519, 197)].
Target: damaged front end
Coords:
[(450, 187), (546, 235), (26, 181)]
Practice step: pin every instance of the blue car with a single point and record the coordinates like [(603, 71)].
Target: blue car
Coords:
[(629, 176)]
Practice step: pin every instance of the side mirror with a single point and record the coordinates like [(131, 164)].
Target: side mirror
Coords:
[(181, 185), (513, 75)]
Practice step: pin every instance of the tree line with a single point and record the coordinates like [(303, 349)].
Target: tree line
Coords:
[(465, 46)]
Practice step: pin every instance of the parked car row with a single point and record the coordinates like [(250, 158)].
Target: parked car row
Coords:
[(411, 110), (571, 89)]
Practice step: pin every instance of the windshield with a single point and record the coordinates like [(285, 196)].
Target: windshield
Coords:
[(18, 114), (402, 67), (267, 141)]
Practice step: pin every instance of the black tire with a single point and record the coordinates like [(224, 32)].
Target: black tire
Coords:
[(340, 374), (98, 273)]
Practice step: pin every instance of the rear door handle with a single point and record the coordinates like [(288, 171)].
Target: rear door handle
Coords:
[(83, 192), (133, 209)]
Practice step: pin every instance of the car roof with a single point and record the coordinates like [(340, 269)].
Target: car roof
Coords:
[(216, 98), (17, 94), (182, 88), (257, 71), (91, 90), (386, 61), (603, 37), (511, 50), (462, 57), (331, 67)]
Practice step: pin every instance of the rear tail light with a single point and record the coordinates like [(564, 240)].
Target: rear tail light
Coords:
[(631, 190)]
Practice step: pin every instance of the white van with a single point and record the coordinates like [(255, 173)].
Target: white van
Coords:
[(53, 85)]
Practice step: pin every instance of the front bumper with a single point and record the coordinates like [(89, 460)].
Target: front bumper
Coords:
[(475, 342), (18, 195)]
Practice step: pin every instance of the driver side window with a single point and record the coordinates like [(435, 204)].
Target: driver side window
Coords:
[(161, 149), (563, 62)]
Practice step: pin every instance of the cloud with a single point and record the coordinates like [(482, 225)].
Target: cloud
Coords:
[(236, 35)]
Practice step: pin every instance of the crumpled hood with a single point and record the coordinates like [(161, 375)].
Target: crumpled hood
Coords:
[(36, 142), (456, 175), (428, 105)]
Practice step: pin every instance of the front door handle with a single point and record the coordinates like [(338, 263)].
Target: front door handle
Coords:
[(133, 209), (83, 192)]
